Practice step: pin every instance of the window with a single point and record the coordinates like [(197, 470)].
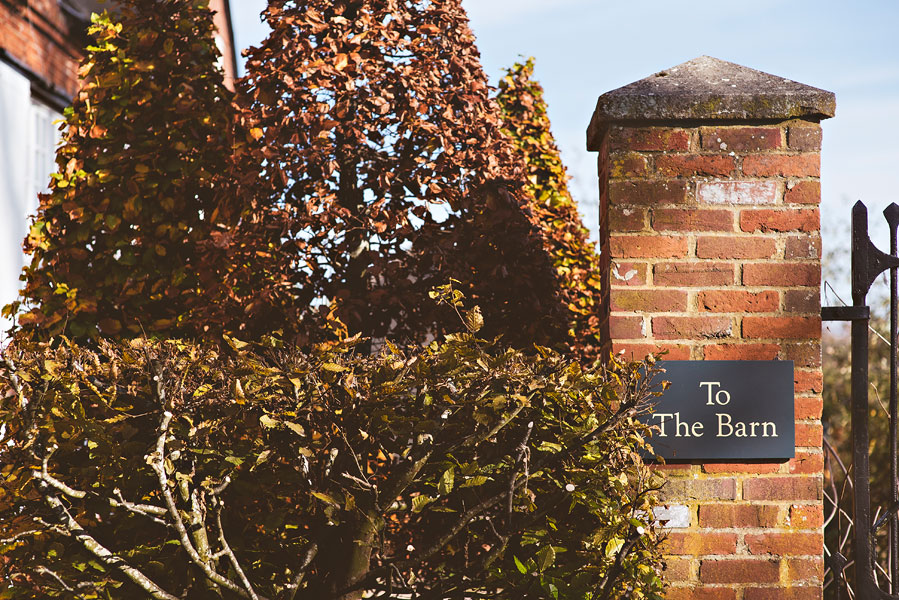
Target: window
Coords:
[(44, 139), (28, 140)]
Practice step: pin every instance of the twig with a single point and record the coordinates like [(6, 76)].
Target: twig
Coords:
[(144, 509), (229, 552), (74, 529), (20, 535), (612, 573), (42, 570), (157, 463), (14, 379), (522, 451), (308, 557)]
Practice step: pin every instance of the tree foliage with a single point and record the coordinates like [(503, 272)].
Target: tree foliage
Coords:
[(573, 255), (123, 241), (385, 161), (363, 163), (367, 165), (459, 470)]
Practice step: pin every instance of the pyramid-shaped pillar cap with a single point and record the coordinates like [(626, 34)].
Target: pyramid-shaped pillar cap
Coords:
[(709, 89)]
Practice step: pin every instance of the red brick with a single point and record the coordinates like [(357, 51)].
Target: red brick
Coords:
[(735, 247), (741, 139), (698, 544), (758, 468), (809, 434), (700, 593), (724, 516), (803, 354), (810, 570), (657, 300), (802, 301), (809, 408), (635, 351), (628, 165), (687, 165), (781, 327), (786, 544), (767, 219), (693, 274), (683, 490), (648, 139), (691, 328), (803, 192), (740, 570), (807, 516), (647, 192), (741, 351), (801, 247), (804, 138), (781, 593), (627, 218), (692, 219), (628, 273), (678, 569), (738, 301), (807, 462), (790, 489), (673, 469), (773, 165), (737, 192), (807, 381), (782, 274), (625, 328), (647, 246)]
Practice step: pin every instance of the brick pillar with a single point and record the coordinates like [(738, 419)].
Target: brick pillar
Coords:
[(710, 241)]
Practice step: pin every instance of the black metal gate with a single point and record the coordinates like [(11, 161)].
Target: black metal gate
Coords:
[(863, 577)]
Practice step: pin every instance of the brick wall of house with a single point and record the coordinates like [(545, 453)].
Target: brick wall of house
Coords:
[(38, 35), (713, 253)]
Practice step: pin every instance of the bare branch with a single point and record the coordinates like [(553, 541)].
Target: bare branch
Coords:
[(42, 570), (226, 547), (308, 557), (14, 379), (20, 535), (522, 451), (157, 463), (74, 529), (474, 441), (148, 510)]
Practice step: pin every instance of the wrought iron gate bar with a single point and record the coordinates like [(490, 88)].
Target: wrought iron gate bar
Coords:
[(845, 313), (891, 214), (867, 264)]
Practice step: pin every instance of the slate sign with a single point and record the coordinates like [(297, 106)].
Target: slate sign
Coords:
[(724, 410)]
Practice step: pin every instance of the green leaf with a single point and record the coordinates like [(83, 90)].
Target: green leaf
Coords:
[(613, 546), (474, 481), (553, 590), (268, 422), (326, 499), (474, 320), (545, 558), (420, 502), (296, 428), (518, 565), (445, 486), (550, 447)]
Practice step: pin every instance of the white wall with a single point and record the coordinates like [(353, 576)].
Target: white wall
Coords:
[(27, 142)]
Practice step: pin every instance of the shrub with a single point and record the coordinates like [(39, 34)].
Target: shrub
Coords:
[(123, 241), (459, 470)]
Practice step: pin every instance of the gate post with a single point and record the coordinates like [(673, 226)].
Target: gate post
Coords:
[(709, 176)]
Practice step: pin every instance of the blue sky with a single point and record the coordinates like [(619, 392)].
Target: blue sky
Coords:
[(584, 48)]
